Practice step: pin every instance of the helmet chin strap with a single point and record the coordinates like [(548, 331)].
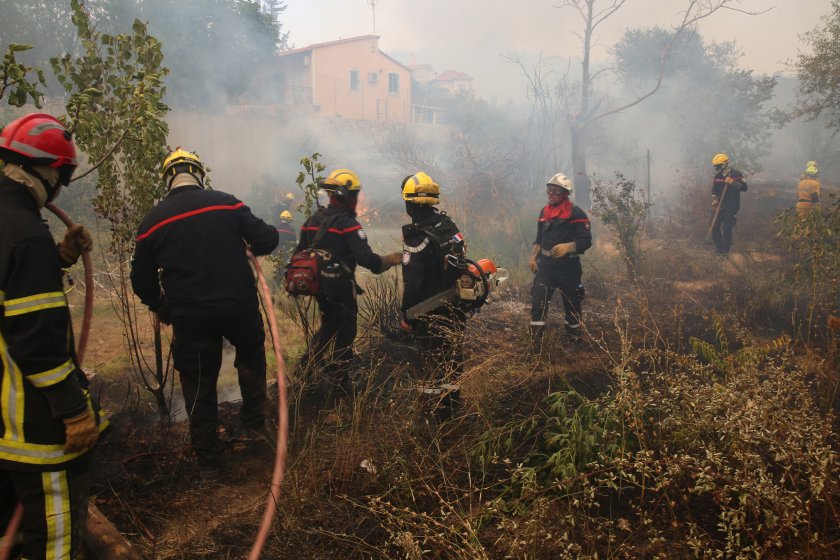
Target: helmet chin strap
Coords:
[(52, 190)]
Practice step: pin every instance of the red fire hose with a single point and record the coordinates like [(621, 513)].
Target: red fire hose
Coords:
[(282, 424), (14, 524)]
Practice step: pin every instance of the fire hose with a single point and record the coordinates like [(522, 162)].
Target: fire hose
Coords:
[(17, 516), (282, 424)]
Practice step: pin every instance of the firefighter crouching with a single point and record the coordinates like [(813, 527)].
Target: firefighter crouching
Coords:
[(190, 267), (726, 201), (48, 424), (432, 244), (343, 245), (563, 234), (808, 191)]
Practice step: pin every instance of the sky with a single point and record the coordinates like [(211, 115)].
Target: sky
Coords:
[(473, 36)]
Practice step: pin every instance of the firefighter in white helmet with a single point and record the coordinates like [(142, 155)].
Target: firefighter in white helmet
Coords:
[(563, 234)]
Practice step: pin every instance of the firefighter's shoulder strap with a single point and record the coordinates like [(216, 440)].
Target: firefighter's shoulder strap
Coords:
[(322, 228), (443, 233)]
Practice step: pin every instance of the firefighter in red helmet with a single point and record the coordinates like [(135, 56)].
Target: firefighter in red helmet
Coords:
[(48, 424)]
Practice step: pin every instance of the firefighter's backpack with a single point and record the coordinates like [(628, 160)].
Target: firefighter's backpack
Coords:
[(303, 273)]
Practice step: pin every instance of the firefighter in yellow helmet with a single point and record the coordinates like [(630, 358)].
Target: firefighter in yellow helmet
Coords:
[(190, 267), (344, 245), (808, 191), (727, 187), (432, 244), (563, 234)]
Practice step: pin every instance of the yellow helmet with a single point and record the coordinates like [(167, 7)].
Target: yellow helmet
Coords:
[(286, 216), (340, 182), (720, 159), (420, 189), (290, 196), (811, 168), (182, 161)]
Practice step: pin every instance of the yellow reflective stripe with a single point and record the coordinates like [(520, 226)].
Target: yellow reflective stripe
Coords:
[(57, 512), (11, 395), (28, 304), (35, 453), (52, 376)]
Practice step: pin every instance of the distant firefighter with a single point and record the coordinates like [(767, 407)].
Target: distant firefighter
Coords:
[(726, 201), (286, 231), (808, 191), (563, 234)]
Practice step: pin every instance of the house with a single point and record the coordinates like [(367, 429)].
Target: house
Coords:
[(348, 78), (454, 82)]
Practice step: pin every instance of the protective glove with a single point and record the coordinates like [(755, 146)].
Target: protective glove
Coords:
[(392, 259), (532, 263), (405, 326), (562, 249), (715, 201), (81, 432), (729, 180), (76, 240)]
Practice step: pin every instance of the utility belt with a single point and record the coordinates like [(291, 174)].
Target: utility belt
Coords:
[(806, 200), (547, 253)]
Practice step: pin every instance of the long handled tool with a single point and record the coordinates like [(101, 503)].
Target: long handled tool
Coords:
[(717, 211)]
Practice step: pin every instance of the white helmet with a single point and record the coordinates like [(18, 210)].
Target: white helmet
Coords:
[(560, 180)]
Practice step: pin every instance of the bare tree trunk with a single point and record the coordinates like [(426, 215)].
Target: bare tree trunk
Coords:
[(580, 178)]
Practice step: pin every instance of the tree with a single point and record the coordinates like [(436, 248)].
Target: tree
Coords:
[(584, 107), (115, 112), (707, 104), (819, 76), (18, 81)]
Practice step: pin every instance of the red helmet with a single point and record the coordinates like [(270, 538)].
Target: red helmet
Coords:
[(39, 139)]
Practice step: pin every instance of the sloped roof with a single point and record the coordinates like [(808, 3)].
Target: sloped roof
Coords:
[(338, 42), (451, 76)]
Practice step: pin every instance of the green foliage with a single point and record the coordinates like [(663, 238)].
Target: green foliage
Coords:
[(622, 207), (707, 103), (559, 443), (814, 240), (116, 115), (17, 79), (307, 182), (819, 77)]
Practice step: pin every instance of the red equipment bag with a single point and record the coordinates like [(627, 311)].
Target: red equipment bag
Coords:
[(303, 274)]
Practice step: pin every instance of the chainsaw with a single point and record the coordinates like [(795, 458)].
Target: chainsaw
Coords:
[(471, 290)]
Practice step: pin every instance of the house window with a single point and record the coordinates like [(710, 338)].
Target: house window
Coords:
[(354, 80), (394, 83)]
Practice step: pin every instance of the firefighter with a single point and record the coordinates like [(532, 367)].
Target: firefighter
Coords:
[(432, 244), (286, 233), (190, 267), (563, 234), (808, 191), (726, 201), (48, 424), (344, 245)]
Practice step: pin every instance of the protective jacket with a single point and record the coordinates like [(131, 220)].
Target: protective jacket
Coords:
[(194, 237), (39, 375), (808, 190), (345, 239), (564, 223), (731, 201), (426, 243)]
